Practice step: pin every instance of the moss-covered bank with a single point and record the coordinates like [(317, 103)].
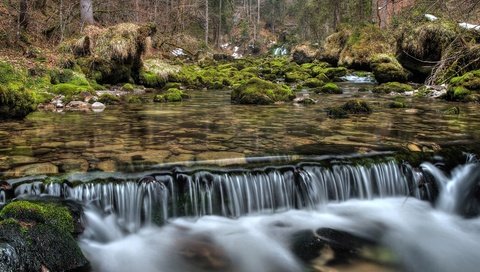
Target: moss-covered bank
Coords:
[(39, 235)]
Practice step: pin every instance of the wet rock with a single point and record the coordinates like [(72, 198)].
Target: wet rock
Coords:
[(222, 158), (9, 259), (107, 166), (77, 144), (305, 100), (303, 54), (392, 87), (77, 106), (202, 252), (38, 236), (98, 107), (258, 91), (73, 165), (33, 169), (386, 68)]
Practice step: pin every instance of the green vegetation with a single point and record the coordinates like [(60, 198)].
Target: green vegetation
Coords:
[(465, 88), (350, 107), (329, 88), (15, 103), (45, 213), (392, 87), (171, 95), (109, 99), (258, 91)]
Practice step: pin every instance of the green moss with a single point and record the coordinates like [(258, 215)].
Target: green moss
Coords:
[(15, 103), (397, 105), (128, 87), (395, 87), (329, 88), (9, 74), (150, 79), (69, 89), (170, 85), (134, 99), (337, 113), (109, 99), (335, 72), (386, 68), (171, 95), (258, 91), (313, 83), (295, 76), (357, 107), (452, 111), (46, 213)]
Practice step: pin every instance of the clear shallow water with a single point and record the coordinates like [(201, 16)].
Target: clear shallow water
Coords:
[(127, 138)]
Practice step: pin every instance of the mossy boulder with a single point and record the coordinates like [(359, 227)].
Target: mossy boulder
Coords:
[(295, 76), (155, 73), (333, 47), (109, 99), (15, 103), (363, 44), (392, 87), (419, 47), (386, 68), (171, 95), (329, 88), (333, 73), (258, 91), (303, 54), (41, 236), (114, 54), (357, 107), (465, 88), (313, 83)]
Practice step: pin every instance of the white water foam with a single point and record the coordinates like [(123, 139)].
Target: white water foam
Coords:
[(422, 237)]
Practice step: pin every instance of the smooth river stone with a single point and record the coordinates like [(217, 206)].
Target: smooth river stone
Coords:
[(33, 169), (21, 159), (77, 144), (73, 165), (222, 158), (107, 166)]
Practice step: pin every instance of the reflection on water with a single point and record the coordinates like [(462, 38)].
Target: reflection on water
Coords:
[(209, 127)]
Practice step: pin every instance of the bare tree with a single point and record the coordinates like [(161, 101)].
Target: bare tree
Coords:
[(86, 12)]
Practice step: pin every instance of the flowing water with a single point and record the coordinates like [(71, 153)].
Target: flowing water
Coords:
[(208, 127), (422, 237)]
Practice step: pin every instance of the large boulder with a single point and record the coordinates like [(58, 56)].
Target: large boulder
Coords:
[(386, 68), (39, 236), (333, 47), (303, 54), (420, 48), (363, 44), (258, 91), (114, 54)]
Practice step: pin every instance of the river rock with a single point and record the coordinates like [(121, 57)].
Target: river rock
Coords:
[(107, 166), (33, 169), (9, 259), (222, 158), (77, 106), (98, 107)]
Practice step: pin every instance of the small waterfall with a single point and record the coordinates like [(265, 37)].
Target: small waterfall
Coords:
[(158, 197), (280, 51)]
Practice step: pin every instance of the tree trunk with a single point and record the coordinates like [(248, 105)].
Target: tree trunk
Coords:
[(86, 12), (206, 22), (23, 14)]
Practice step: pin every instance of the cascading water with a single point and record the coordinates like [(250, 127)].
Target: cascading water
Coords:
[(421, 237), (158, 197), (248, 220)]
